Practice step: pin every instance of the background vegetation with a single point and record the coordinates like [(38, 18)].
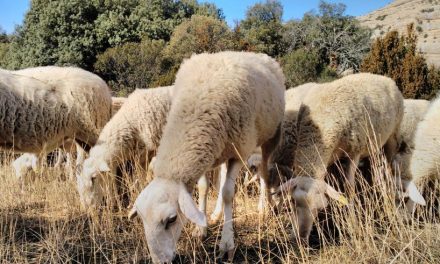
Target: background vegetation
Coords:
[(138, 44)]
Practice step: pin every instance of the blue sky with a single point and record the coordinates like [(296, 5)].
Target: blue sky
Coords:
[(12, 11)]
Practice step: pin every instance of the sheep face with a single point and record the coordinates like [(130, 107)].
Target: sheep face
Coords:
[(90, 183), (406, 189), (310, 196), (164, 206)]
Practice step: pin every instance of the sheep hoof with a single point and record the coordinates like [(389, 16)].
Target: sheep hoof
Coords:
[(230, 255), (200, 232)]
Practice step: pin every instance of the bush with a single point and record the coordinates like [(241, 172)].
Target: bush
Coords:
[(301, 66), (396, 57), (197, 35), (132, 65), (4, 47)]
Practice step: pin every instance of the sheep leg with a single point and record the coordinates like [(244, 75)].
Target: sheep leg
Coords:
[(350, 173), (228, 191), (215, 216), (202, 186)]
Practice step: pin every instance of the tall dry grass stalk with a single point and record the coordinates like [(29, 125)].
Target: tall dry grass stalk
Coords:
[(44, 224)]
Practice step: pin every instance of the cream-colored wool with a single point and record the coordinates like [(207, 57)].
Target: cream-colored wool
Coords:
[(343, 118), (224, 106), (41, 107), (117, 103), (414, 111), (135, 129), (425, 160), (281, 161)]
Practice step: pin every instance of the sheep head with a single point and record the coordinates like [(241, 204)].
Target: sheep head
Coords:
[(406, 189), (164, 206), (310, 196), (90, 182)]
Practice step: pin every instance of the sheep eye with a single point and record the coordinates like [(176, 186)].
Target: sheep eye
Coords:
[(169, 221)]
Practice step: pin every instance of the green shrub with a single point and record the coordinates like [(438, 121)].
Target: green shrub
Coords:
[(301, 66), (132, 65), (396, 56)]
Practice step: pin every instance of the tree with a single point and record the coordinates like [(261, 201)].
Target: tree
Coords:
[(132, 65), (396, 56), (197, 35), (76, 31), (339, 39), (262, 29), (3, 36), (302, 65)]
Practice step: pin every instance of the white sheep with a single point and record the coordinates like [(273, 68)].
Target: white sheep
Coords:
[(46, 106), (344, 118), (135, 129), (425, 160), (41, 107), (414, 111), (117, 103), (281, 161), (26, 163), (224, 106)]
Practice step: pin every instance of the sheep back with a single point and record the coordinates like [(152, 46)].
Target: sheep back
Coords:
[(223, 103)]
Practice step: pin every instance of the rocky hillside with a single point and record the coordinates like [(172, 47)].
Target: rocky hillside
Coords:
[(425, 14)]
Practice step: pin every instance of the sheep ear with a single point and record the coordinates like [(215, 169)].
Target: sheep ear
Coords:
[(133, 213), (414, 194), (189, 208), (287, 187), (335, 195), (103, 166)]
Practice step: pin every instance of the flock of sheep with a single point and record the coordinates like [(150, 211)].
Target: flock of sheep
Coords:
[(227, 109)]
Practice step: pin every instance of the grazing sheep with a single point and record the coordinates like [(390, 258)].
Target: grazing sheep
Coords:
[(41, 107), (425, 160), (117, 103), (341, 119), (135, 129), (24, 164), (225, 105), (29, 162), (414, 111), (281, 161)]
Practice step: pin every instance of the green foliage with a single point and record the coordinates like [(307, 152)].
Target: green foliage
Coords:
[(302, 65), (76, 31), (4, 48), (339, 39), (396, 57), (262, 29), (197, 35), (132, 65), (3, 36)]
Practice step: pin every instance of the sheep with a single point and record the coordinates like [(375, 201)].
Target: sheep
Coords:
[(414, 110), (135, 128), (425, 159), (117, 103), (24, 164), (224, 106), (30, 162), (340, 119), (281, 161), (41, 107)]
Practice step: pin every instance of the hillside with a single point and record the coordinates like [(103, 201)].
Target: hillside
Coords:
[(425, 14)]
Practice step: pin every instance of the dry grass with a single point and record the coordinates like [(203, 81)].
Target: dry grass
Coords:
[(44, 224)]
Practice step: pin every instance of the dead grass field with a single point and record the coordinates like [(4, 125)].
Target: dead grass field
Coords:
[(44, 224)]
